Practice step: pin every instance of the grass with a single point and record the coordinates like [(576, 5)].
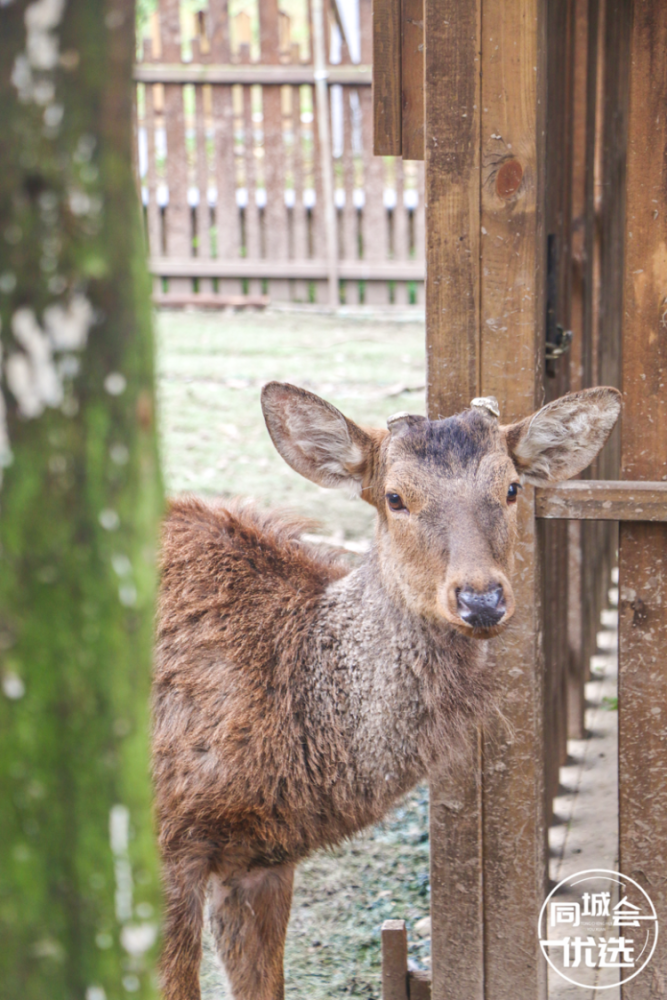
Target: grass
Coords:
[(214, 442)]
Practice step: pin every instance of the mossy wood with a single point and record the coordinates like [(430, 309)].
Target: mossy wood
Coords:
[(79, 506)]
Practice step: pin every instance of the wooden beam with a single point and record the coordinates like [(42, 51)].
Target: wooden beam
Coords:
[(643, 547), (308, 270), (452, 68), (394, 960), (512, 354), (356, 76), (590, 500), (387, 113), (452, 38), (412, 72)]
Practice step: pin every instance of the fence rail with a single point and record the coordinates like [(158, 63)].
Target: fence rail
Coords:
[(234, 163)]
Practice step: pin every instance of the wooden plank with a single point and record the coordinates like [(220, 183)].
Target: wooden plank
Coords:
[(209, 300), (586, 500), (387, 113), (285, 75), (452, 67), (512, 350), (394, 960), (419, 985), (457, 924), (643, 547), (177, 213), (203, 210), (310, 270), (412, 73), (374, 221), (452, 153)]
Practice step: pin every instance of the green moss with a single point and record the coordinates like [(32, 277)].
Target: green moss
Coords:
[(78, 519)]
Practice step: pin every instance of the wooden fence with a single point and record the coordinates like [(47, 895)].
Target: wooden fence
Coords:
[(258, 177), (545, 147)]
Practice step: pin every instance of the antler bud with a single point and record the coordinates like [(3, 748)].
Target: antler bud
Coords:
[(488, 403)]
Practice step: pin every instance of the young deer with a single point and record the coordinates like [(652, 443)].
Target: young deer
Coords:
[(295, 701)]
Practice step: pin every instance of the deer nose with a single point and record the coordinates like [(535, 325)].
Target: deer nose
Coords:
[(481, 609)]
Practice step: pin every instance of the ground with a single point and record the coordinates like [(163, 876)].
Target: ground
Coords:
[(210, 372)]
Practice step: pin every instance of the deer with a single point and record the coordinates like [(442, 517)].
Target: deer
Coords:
[(297, 699)]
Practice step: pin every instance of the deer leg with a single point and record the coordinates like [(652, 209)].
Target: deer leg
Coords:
[(185, 882), (249, 917)]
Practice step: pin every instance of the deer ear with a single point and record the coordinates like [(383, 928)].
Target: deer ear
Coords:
[(563, 437), (315, 439)]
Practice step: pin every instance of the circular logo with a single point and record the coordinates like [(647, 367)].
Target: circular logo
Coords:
[(598, 928)]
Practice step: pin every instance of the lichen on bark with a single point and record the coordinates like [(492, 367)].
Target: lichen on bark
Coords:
[(79, 505)]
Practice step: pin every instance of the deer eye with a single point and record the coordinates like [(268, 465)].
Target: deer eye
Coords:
[(395, 502), (513, 492)]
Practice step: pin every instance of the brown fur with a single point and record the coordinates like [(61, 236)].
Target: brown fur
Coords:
[(294, 701)]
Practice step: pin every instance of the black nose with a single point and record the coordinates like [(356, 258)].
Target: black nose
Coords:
[(481, 609)]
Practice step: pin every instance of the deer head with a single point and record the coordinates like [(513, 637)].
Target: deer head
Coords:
[(445, 490)]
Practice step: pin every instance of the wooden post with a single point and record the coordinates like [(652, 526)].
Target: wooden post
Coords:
[(394, 960), (643, 547), (412, 82), (485, 333), (387, 113), (512, 347), (453, 226)]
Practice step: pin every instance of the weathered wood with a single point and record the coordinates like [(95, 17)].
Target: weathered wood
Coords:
[(419, 985), (586, 500), (412, 74), (643, 547), (512, 350), (452, 152), (387, 112), (457, 921), (356, 76), (394, 960), (452, 45)]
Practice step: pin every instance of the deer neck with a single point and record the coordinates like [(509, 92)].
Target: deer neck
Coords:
[(406, 692)]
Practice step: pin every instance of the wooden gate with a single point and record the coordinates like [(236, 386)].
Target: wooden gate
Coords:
[(546, 191), (258, 176)]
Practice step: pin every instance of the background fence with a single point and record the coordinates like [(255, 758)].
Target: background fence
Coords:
[(237, 160)]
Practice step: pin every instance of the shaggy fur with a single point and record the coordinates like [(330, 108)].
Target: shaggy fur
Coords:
[(295, 701)]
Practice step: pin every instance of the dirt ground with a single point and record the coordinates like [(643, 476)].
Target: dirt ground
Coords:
[(214, 442)]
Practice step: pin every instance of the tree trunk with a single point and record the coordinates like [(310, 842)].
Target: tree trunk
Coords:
[(79, 506)]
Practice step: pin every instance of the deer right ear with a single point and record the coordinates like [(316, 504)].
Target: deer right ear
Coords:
[(564, 436), (315, 438)]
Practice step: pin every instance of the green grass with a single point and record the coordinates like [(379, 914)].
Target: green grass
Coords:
[(212, 368)]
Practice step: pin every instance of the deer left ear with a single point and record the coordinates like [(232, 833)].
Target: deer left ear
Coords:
[(563, 437)]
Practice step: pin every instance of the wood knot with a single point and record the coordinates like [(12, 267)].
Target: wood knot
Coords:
[(509, 178)]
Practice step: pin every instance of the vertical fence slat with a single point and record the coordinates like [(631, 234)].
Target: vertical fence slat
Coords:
[(400, 233), (412, 72), (452, 177), (512, 348), (643, 547), (387, 100), (202, 211), (373, 214), (177, 212), (453, 41)]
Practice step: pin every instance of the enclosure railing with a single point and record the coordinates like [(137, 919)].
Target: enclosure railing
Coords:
[(234, 163)]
